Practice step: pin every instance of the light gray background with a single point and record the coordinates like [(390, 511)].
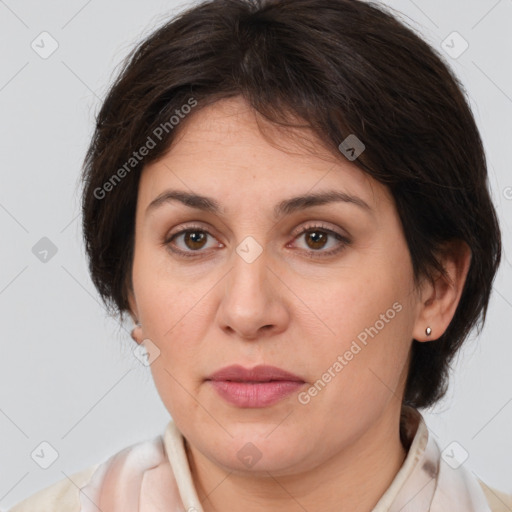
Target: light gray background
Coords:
[(68, 375)]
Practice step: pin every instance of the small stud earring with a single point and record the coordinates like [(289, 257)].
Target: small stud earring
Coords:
[(428, 331)]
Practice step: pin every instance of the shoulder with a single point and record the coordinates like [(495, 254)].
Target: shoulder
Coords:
[(63, 495), (93, 484), (498, 501)]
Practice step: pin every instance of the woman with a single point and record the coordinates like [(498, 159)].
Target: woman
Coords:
[(290, 201)]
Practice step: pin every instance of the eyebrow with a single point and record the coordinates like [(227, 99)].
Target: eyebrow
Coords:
[(285, 207)]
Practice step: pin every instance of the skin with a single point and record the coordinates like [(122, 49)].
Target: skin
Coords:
[(292, 307)]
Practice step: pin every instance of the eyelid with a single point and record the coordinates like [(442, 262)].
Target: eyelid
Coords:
[(184, 226), (309, 225)]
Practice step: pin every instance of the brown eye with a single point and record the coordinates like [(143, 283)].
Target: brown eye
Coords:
[(316, 239), (195, 239), (320, 241), (192, 242)]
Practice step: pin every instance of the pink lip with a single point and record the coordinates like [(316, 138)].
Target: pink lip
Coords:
[(260, 386)]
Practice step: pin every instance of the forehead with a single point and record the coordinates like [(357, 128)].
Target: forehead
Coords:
[(227, 149), (230, 123)]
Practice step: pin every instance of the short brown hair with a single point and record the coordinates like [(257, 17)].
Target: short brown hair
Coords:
[(343, 67)]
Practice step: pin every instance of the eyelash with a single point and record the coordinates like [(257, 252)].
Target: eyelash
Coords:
[(309, 228)]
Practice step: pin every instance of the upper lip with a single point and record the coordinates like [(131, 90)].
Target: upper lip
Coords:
[(261, 373)]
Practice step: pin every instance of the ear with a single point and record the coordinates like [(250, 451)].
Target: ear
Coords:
[(440, 296), (136, 332)]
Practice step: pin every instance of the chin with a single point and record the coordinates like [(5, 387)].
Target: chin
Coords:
[(259, 449), (262, 463)]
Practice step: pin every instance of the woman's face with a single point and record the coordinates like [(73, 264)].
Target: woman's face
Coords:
[(257, 275)]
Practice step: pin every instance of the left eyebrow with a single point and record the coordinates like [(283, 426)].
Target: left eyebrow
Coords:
[(285, 207), (289, 206)]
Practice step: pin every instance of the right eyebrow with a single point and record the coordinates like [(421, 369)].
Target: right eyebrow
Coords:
[(204, 203)]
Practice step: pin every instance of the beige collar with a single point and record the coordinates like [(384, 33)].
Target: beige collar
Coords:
[(424, 483)]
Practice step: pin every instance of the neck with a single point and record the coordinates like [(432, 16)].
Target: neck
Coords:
[(353, 479)]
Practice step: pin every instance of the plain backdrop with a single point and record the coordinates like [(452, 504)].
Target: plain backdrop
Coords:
[(68, 376)]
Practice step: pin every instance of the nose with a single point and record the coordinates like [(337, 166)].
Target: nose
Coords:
[(252, 305)]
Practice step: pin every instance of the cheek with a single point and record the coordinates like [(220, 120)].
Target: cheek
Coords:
[(373, 340), (169, 302), (360, 304), (370, 317), (174, 317)]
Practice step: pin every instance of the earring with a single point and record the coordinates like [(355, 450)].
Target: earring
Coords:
[(428, 331)]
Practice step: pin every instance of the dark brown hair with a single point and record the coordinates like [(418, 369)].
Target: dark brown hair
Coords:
[(343, 67)]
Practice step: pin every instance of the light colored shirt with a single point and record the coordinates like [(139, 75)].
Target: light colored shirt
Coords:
[(154, 476)]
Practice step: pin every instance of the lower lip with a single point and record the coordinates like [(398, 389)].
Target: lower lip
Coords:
[(255, 394)]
